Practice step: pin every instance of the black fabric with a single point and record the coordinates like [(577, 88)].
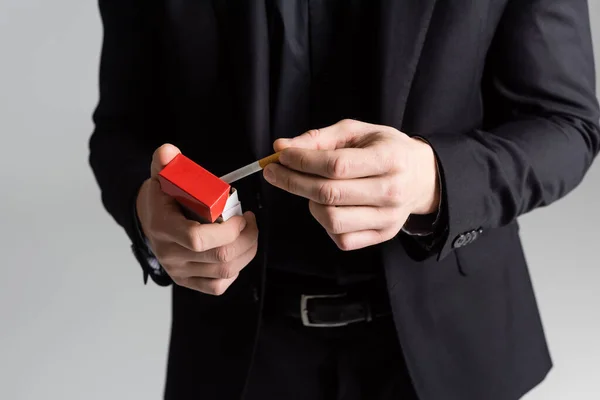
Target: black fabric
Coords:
[(504, 92), (316, 51), (358, 362)]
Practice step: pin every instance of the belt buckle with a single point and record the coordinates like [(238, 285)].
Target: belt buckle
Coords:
[(304, 312)]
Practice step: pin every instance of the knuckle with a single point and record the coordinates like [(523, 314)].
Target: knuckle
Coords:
[(344, 243), (336, 225), (392, 192), (290, 184), (313, 133), (333, 221), (387, 160), (328, 194), (196, 240), (217, 287), (224, 254), (338, 167), (302, 162), (225, 272), (347, 123)]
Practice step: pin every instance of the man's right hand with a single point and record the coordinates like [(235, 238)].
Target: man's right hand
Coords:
[(202, 257)]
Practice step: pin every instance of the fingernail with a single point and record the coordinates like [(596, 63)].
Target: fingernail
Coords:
[(243, 225), (268, 174)]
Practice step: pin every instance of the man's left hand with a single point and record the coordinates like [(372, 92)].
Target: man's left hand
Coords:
[(362, 181)]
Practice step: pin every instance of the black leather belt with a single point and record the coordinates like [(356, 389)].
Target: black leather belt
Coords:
[(328, 310)]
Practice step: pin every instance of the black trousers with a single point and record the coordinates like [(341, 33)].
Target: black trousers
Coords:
[(359, 361)]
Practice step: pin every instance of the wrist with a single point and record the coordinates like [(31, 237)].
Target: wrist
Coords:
[(427, 180)]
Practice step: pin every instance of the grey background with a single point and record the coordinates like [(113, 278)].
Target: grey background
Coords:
[(76, 321)]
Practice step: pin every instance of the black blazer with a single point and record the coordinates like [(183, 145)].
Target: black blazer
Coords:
[(502, 89)]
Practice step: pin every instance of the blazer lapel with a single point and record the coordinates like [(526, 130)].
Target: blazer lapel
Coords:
[(403, 30)]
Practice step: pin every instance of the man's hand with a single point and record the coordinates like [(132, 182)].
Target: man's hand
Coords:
[(202, 257), (362, 181)]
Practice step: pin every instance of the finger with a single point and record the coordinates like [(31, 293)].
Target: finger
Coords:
[(339, 220), (214, 263), (347, 163), (162, 156), (217, 270), (163, 202), (380, 191), (230, 252), (361, 239), (167, 222), (214, 287), (203, 237), (332, 137), (172, 253)]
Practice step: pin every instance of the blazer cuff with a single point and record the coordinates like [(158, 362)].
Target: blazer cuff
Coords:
[(465, 200)]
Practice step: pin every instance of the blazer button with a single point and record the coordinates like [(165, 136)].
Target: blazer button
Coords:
[(475, 235), (460, 241), (469, 237)]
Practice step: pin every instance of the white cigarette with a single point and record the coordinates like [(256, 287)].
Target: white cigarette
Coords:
[(250, 169)]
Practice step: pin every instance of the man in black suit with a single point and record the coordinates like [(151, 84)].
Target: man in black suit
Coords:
[(381, 257)]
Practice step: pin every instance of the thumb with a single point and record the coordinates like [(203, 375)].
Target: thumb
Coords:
[(162, 156), (332, 137)]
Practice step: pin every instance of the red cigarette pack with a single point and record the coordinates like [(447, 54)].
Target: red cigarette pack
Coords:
[(203, 195)]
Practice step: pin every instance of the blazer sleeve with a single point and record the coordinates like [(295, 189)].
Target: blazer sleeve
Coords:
[(129, 120), (540, 87)]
